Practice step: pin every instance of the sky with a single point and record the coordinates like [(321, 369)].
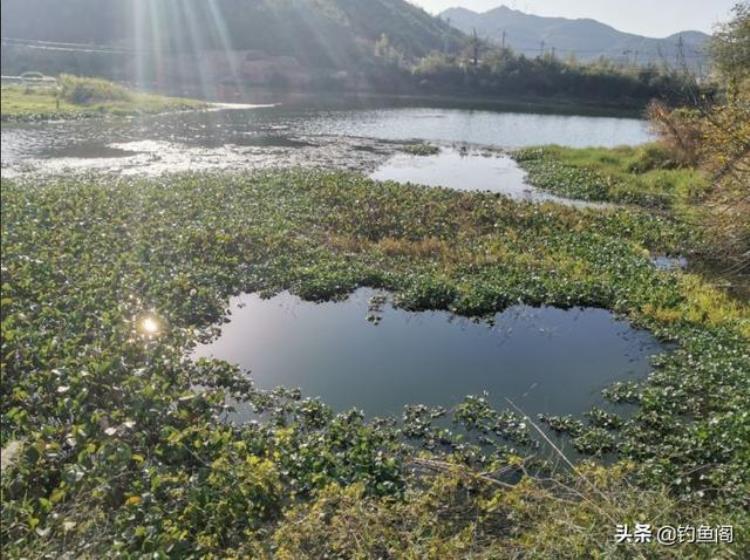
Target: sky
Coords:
[(653, 18)]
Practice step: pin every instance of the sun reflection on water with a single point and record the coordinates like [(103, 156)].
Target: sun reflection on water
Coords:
[(149, 326)]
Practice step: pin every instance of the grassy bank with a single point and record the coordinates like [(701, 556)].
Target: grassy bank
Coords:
[(644, 175), (121, 455), (75, 97), (649, 177)]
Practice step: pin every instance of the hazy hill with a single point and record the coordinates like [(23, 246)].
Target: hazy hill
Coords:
[(320, 32), (217, 48), (587, 39)]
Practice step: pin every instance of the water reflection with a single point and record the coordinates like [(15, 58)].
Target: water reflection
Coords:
[(215, 138), (468, 169), (664, 262), (503, 129), (547, 360)]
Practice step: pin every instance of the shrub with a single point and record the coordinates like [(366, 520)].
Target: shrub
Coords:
[(86, 91), (653, 156), (679, 131)]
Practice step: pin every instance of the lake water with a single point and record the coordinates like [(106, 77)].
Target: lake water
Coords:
[(502, 129), (262, 136), (546, 360), (458, 169), (665, 262), (469, 169)]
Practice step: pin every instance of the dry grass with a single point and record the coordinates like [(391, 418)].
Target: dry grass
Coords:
[(429, 247)]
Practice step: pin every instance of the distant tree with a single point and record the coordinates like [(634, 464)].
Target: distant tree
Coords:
[(714, 133), (730, 47), (726, 145), (475, 45), (385, 51), (571, 59)]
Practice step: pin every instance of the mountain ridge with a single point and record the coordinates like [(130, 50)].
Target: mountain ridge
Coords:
[(585, 38), (318, 32)]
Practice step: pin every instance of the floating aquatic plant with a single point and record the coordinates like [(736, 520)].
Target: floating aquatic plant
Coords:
[(124, 447)]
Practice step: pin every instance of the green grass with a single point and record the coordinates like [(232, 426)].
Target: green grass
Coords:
[(643, 176), (122, 455), (83, 97), (421, 149)]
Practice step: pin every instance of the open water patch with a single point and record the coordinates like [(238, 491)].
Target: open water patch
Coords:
[(665, 262), (546, 360), (468, 169)]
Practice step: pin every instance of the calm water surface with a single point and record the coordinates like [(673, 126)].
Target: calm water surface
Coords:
[(457, 169), (469, 170), (283, 135), (545, 359), (503, 129)]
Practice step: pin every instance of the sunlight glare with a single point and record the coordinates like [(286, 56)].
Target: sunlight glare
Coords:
[(177, 43), (150, 326)]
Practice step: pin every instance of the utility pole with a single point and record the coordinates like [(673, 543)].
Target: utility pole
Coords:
[(503, 42), (445, 35), (553, 53), (541, 48), (679, 57)]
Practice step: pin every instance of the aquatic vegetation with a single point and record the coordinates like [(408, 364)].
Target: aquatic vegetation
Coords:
[(421, 149), (563, 424), (603, 419), (107, 283), (594, 441), (472, 512), (644, 176)]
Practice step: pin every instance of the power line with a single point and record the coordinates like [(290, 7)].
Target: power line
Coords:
[(688, 52), (68, 47), (106, 49)]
